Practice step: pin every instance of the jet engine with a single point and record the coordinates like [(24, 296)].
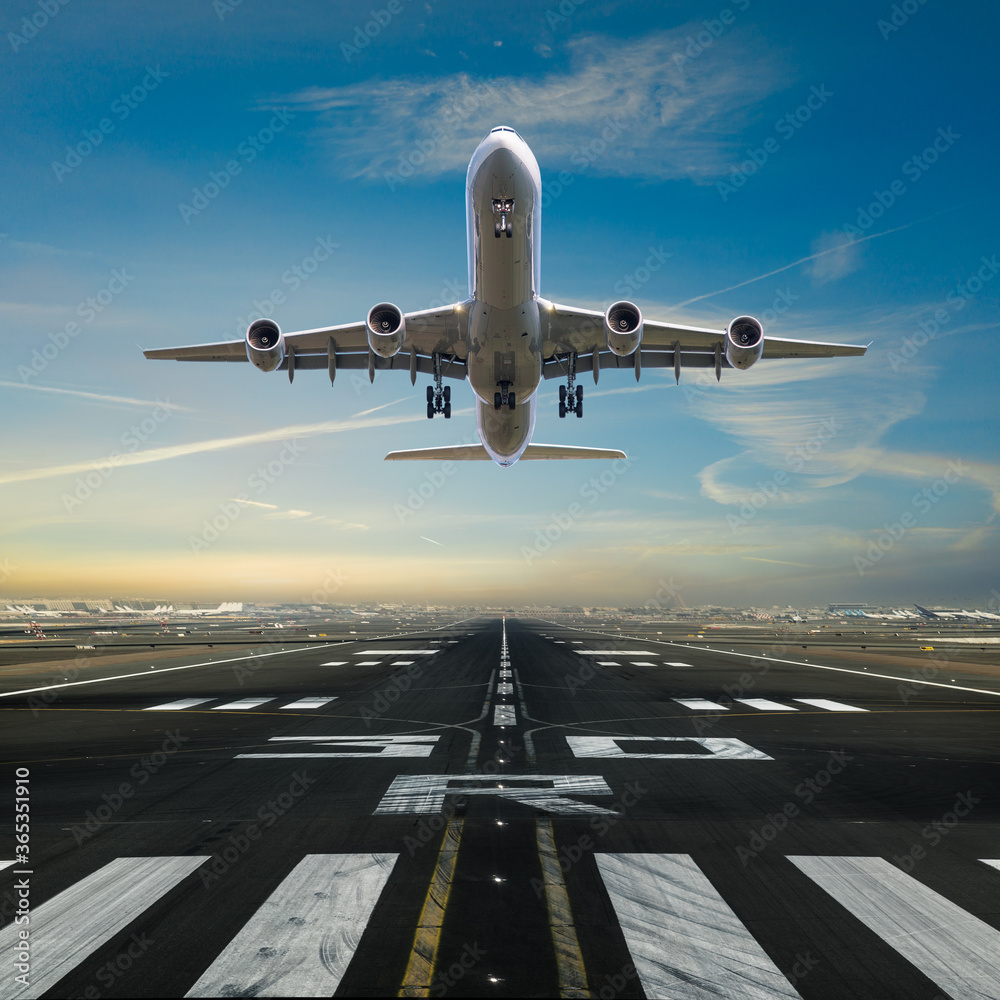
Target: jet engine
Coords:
[(623, 328), (386, 327), (744, 342), (265, 345)]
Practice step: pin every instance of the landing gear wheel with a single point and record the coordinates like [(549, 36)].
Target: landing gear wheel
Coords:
[(510, 231), (447, 411), (562, 408), (562, 394), (496, 229), (510, 400), (430, 394), (579, 407), (430, 411), (579, 393), (447, 393), (497, 403)]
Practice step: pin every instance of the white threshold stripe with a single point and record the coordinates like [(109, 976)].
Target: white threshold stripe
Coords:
[(686, 942), (161, 670), (613, 652), (994, 862), (766, 705), (310, 702), (675, 663), (70, 927), (830, 706), (397, 652), (367, 663), (700, 705), (242, 705), (302, 939), (608, 663), (7, 864), (799, 663), (176, 706), (643, 663), (955, 950), (335, 663)]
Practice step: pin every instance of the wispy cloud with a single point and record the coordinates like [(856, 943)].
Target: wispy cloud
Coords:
[(676, 117), (98, 397), (288, 433)]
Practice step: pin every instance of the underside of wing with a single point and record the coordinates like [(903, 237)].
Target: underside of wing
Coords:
[(477, 453), (576, 338), (431, 334)]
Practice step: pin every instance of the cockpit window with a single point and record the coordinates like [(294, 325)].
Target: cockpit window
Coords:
[(504, 128)]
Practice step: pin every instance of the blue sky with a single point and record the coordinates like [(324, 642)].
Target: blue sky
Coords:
[(748, 142)]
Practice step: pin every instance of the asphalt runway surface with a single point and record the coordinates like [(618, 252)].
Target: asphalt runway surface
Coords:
[(519, 809)]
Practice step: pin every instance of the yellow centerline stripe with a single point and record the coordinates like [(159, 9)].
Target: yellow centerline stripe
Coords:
[(423, 957), (569, 959)]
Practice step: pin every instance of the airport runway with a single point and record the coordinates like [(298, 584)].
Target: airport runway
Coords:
[(535, 810)]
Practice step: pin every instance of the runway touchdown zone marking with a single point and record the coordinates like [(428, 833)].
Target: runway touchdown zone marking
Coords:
[(352, 746), (725, 748)]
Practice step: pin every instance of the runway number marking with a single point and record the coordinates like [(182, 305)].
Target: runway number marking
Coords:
[(421, 794), (726, 748)]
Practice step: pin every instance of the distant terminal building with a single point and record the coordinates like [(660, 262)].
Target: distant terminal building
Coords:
[(852, 610)]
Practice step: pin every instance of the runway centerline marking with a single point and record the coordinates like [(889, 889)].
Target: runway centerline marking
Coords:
[(504, 715)]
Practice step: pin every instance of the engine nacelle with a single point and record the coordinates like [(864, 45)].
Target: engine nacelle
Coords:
[(623, 328), (744, 342), (265, 345), (386, 327)]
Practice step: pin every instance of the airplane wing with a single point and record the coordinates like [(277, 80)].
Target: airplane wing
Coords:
[(567, 329), (428, 332)]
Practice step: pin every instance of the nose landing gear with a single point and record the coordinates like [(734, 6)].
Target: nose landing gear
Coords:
[(504, 397), (438, 396), (502, 208)]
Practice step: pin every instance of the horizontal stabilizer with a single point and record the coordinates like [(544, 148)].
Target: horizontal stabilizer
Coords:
[(477, 453)]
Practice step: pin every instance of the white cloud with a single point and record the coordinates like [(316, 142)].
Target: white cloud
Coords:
[(677, 117)]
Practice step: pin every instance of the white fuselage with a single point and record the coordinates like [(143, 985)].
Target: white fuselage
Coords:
[(504, 341)]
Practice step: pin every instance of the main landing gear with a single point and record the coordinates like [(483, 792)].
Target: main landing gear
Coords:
[(502, 208), (570, 394), (438, 396), (504, 397)]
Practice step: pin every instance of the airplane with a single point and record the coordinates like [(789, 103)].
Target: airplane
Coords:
[(505, 338)]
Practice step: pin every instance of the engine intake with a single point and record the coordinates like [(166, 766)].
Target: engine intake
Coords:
[(265, 345), (623, 328), (744, 342), (386, 326)]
